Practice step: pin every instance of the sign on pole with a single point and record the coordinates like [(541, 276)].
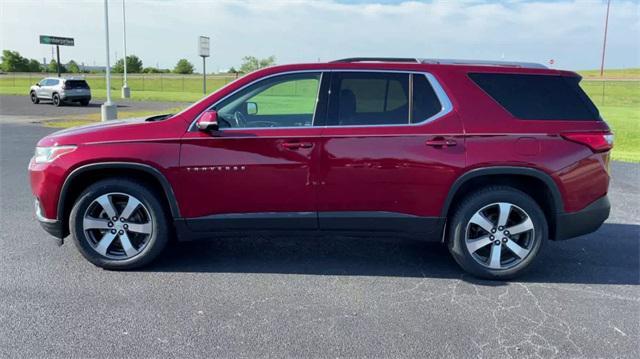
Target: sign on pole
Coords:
[(203, 46), (203, 51), (56, 40)]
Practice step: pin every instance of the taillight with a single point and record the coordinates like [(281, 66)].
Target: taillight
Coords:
[(597, 141)]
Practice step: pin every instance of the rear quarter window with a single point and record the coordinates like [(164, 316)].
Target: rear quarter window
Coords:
[(538, 97)]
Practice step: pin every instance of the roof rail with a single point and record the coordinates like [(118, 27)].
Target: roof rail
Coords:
[(378, 59), (531, 65)]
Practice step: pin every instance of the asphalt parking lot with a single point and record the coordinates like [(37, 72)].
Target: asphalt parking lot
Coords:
[(312, 297)]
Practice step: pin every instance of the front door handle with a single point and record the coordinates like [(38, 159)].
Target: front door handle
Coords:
[(296, 145), (441, 142)]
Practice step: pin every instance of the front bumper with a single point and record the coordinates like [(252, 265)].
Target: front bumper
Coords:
[(52, 226), (587, 220)]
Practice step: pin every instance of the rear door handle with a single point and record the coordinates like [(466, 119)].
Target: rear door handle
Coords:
[(296, 145), (441, 142)]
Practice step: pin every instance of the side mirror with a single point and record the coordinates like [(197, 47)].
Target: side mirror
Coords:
[(208, 122), (38, 84), (252, 108)]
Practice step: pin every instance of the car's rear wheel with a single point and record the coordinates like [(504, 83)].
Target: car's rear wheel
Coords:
[(84, 102), (34, 97), (56, 100), (497, 232), (119, 224)]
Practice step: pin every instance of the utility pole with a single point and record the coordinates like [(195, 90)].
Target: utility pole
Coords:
[(126, 91), (109, 110), (604, 43)]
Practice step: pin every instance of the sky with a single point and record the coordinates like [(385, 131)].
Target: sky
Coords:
[(162, 31)]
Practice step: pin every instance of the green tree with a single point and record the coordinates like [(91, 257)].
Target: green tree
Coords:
[(183, 67), (252, 63), (53, 67), (34, 66), (73, 67), (232, 70), (13, 62), (134, 65)]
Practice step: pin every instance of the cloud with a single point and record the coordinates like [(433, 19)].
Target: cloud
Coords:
[(295, 31)]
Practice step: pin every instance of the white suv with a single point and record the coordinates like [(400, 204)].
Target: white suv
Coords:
[(60, 90)]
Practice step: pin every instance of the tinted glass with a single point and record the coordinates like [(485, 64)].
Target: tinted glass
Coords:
[(425, 100), (76, 84), (369, 98), (538, 97), (281, 101), (53, 82)]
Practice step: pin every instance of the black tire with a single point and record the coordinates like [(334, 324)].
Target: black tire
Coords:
[(84, 102), (57, 102), (160, 224), (34, 98), (476, 201)]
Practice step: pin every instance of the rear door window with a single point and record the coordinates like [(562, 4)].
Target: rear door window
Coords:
[(369, 98), (538, 97)]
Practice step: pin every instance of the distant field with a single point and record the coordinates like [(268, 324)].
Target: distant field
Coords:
[(619, 103), (625, 74)]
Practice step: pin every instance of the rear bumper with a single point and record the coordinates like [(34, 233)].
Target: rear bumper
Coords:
[(587, 220), (76, 98)]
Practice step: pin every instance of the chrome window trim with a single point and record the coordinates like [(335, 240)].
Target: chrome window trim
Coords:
[(443, 97)]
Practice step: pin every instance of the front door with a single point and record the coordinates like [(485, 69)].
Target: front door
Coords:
[(391, 149), (258, 170)]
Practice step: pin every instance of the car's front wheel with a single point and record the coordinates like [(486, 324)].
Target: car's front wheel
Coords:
[(497, 232), (119, 224), (34, 97)]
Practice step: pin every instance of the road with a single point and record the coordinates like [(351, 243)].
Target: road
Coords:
[(21, 106), (312, 297)]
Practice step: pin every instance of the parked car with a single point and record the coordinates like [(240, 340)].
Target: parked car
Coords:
[(492, 159), (61, 90)]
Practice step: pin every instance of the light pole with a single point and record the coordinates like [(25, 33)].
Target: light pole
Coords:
[(108, 109), (126, 91), (604, 43)]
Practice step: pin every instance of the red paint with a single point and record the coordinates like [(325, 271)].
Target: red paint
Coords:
[(405, 169)]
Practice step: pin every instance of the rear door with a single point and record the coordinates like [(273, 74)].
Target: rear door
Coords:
[(391, 149), (259, 170)]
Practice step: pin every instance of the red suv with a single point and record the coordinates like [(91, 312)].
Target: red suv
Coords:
[(491, 158)]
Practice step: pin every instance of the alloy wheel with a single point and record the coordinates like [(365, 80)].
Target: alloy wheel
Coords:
[(500, 235), (117, 225)]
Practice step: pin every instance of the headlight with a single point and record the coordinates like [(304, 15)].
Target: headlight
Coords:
[(48, 154)]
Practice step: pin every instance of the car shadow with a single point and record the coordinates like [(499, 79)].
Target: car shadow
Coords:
[(608, 256)]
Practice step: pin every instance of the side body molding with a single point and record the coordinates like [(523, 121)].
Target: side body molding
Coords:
[(505, 170), (166, 186)]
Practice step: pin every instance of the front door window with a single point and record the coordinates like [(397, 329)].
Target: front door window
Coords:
[(282, 101)]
